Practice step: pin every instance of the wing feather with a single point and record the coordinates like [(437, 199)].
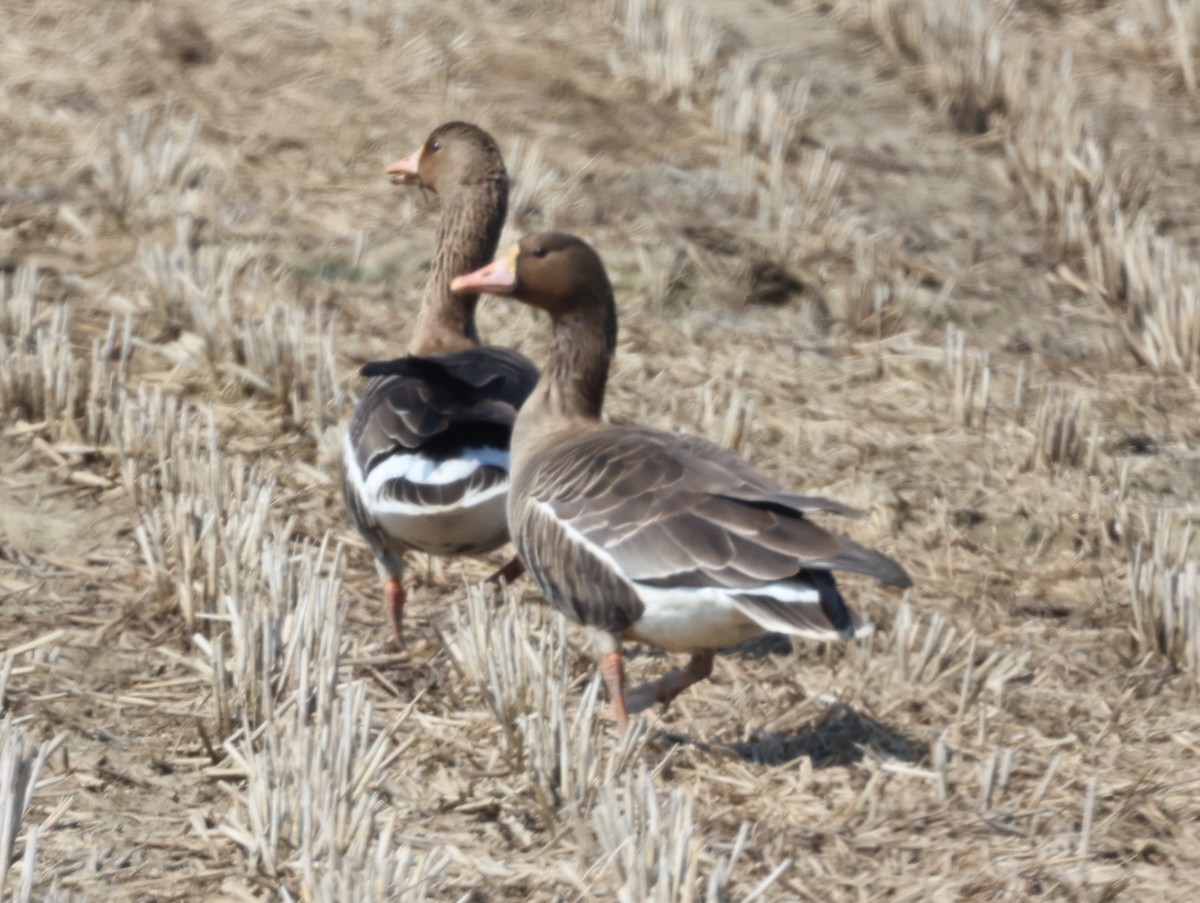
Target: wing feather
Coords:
[(420, 413), (440, 403), (676, 510)]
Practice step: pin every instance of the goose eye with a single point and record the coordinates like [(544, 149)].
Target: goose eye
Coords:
[(435, 145), (539, 251)]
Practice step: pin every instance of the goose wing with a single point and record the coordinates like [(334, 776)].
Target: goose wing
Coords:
[(677, 510), (672, 518), (434, 432)]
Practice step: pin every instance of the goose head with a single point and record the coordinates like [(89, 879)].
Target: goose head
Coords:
[(555, 272), (454, 156)]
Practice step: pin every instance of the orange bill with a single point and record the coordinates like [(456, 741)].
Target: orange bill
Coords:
[(406, 170), (497, 278)]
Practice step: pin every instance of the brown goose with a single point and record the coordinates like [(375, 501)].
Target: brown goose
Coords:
[(644, 535), (425, 459)]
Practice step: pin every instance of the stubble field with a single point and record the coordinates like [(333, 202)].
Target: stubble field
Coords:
[(937, 260)]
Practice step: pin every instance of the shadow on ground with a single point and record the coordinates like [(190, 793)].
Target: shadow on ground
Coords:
[(841, 737)]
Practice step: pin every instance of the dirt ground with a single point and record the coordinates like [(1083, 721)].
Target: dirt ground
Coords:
[(881, 267)]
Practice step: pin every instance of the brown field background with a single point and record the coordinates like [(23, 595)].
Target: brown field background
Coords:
[(937, 260)]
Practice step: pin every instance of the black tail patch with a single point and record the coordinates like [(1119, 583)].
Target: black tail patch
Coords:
[(832, 603)]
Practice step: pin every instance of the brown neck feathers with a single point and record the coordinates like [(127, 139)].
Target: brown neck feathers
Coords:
[(576, 373), (467, 235)]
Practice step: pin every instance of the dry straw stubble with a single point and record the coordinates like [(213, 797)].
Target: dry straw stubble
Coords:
[(994, 741)]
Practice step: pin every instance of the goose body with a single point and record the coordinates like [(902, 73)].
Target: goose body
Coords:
[(425, 460), (644, 535), (703, 553), (427, 456)]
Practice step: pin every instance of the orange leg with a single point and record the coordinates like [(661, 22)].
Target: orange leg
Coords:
[(509, 572), (393, 594), (612, 669), (670, 684)]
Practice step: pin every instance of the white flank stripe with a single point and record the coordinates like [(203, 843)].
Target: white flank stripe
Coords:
[(391, 508), (417, 468), (476, 523), (350, 463)]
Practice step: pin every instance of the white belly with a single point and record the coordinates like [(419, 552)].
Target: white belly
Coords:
[(687, 620), (461, 530)]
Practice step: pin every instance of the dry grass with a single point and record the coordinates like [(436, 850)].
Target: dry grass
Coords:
[(931, 259), (21, 765), (1164, 582), (1166, 31), (975, 62)]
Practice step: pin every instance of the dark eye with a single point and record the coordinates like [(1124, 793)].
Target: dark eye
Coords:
[(435, 145), (539, 251)]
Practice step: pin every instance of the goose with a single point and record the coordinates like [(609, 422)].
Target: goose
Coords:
[(660, 538), (425, 458)]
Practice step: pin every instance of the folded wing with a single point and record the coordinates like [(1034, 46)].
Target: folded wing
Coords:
[(676, 514), (433, 433)]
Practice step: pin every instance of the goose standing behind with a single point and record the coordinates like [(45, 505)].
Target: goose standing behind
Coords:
[(644, 535), (425, 458)]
